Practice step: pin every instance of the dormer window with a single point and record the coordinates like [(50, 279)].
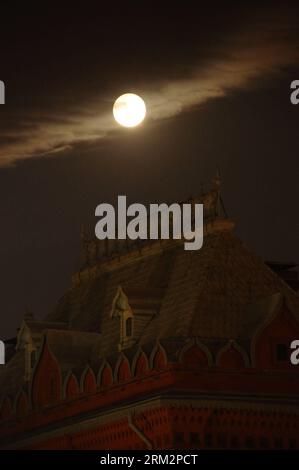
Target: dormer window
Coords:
[(27, 342), (121, 308), (129, 327)]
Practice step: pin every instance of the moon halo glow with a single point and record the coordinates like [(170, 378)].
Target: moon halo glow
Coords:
[(129, 110)]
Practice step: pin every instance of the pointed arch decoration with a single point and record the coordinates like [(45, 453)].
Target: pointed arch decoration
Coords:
[(122, 369), (196, 354), (232, 356), (71, 387), (158, 358), (88, 383), (105, 375), (140, 364)]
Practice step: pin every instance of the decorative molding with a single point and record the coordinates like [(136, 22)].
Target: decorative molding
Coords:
[(233, 344)]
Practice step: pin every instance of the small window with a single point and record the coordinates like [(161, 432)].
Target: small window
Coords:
[(282, 353), (208, 440), (179, 438), (129, 327), (194, 439)]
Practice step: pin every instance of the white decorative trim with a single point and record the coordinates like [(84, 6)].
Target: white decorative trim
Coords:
[(233, 344), (155, 349), (139, 354), (196, 342)]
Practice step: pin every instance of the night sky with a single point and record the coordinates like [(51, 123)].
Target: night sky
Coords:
[(216, 82)]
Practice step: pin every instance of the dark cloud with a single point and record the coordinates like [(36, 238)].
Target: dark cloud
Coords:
[(242, 58)]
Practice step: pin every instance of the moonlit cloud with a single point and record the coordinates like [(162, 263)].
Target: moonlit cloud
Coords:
[(240, 63), (41, 138), (255, 58)]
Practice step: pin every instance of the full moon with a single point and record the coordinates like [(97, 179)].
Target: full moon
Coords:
[(129, 110)]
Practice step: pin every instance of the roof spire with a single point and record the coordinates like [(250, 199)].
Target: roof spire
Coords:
[(217, 180)]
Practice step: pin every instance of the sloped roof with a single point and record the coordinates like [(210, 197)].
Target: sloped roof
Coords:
[(35, 329), (72, 348), (36, 326), (206, 293)]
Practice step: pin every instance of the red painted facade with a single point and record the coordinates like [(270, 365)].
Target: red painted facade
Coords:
[(208, 368), (183, 424)]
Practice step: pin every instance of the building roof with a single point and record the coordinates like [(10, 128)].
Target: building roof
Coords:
[(173, 294), (73, 349), (202, 293)]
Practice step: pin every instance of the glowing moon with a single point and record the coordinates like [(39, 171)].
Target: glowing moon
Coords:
[(129, 110)]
